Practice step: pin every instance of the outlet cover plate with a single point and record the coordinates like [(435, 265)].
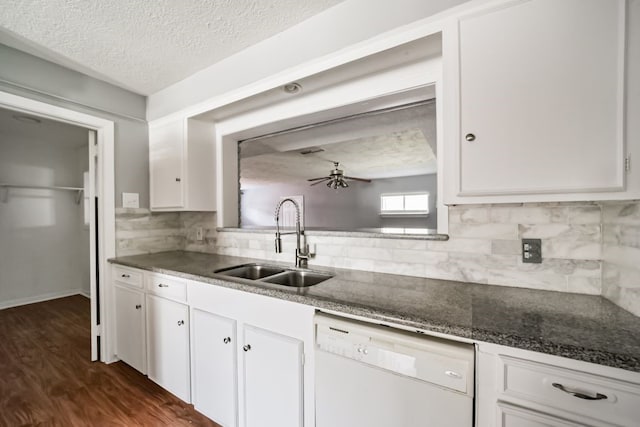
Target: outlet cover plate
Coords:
[(130, 200), (532, 251)]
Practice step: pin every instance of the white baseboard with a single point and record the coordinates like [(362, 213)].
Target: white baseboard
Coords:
[(84, 293), (39, 298)]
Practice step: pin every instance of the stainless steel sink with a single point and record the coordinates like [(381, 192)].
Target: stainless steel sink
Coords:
[(260, 273), (298, 278), (250, 271)]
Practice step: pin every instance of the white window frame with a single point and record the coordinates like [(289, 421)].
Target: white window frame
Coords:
[(405, 212)]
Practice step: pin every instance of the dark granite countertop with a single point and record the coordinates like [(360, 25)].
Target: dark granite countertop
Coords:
[(581, 327)]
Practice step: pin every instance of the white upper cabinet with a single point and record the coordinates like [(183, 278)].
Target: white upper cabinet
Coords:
[(536, 97), (182, 166)]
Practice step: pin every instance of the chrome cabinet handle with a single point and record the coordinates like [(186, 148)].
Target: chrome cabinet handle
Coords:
[(247, 347), (138, 306), (126, 276), (162, 285), (178, 180), (579, 395), (470, 137), (226, 340), (180, 322)]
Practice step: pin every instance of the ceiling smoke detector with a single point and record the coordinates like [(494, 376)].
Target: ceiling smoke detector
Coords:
[(311, 150), (292, 88)]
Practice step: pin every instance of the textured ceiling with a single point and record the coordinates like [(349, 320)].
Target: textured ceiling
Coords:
[(61, 135), (393, 144), (146, 45)]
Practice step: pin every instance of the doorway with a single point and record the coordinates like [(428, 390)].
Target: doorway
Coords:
[(93, 196)]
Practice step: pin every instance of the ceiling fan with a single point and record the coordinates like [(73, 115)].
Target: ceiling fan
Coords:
[(336, 178)]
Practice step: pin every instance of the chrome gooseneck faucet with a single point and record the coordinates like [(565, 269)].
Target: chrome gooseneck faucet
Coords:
[(302, 248)]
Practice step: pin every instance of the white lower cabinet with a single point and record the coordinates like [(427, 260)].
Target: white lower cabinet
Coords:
[(513, 416), (252, 358), (168, 361), (519, 388), (214, 366), (130, 327), (272, 379)]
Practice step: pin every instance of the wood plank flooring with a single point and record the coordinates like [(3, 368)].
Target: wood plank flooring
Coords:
[(47, 379)]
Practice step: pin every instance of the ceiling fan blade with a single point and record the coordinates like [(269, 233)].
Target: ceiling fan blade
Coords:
[(357, 179), (323, 180), (318, 179)]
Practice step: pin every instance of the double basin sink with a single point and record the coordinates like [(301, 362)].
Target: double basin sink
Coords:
[(275, 275)]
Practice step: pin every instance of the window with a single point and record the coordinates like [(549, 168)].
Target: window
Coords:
[(404, 204)]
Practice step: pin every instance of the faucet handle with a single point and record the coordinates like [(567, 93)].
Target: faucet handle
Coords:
[(311, 252), (278, 245)]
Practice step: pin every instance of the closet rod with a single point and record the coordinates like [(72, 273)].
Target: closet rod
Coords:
[(6, 187)]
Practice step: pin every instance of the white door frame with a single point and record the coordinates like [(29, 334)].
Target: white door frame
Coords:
[(106, 203)]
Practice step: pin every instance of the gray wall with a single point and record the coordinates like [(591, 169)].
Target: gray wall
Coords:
[(347, 209), (19, 70)]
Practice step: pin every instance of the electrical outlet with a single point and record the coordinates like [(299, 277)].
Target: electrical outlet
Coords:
[(532, 251), (199, 234)]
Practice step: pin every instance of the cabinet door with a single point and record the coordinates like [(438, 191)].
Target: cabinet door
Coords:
[(272, 379), (214, 368), (166, 156), (168, 345), (514, 416), (130, 328), (541, 98)]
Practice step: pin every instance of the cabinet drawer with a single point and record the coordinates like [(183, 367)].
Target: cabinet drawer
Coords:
[(513, 416), (127, 276), (167, 286), (570, 391)]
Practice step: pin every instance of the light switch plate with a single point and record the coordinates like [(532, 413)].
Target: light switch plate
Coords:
[(130, 200)]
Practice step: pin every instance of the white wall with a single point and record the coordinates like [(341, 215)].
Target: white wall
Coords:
[(43, 244), (83, 250)]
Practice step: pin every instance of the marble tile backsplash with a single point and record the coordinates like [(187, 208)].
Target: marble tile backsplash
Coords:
[(588, 247), (139, 231), (621, 254), (484, 247)]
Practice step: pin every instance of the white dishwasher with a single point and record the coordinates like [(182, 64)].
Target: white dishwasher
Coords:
[(375, 376)]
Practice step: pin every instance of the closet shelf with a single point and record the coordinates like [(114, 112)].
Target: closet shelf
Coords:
[(6, 187)]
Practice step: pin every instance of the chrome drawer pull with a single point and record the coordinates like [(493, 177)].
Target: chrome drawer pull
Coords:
[(126, 276), (162, 285), (227, 340), (138, 306), (247, 347), (579, 395), (180, 322)]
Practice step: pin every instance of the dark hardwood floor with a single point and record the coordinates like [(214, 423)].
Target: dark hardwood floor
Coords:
[(46, 378)]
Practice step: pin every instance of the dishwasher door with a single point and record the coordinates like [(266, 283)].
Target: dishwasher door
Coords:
[(373, 377)]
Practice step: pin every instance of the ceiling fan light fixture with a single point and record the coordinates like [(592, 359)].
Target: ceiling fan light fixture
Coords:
[(336, 178)]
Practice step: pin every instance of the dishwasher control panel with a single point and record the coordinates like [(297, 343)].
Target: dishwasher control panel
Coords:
[(445, 363)]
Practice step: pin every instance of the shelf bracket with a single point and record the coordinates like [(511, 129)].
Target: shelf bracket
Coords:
[(79, 196)]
